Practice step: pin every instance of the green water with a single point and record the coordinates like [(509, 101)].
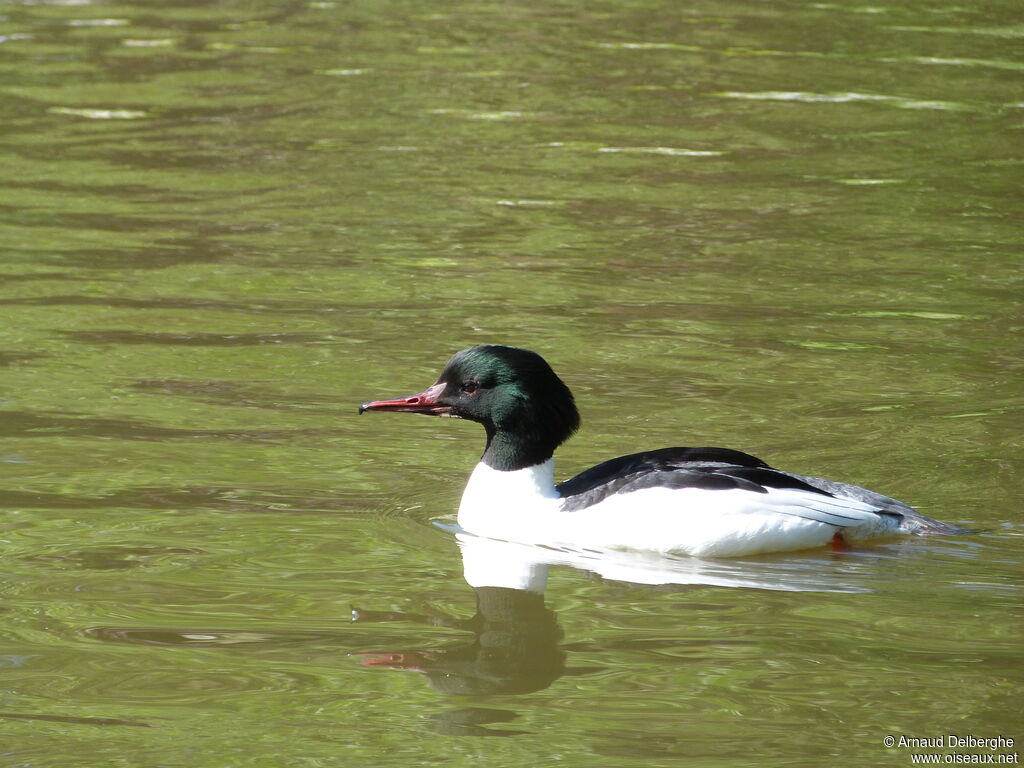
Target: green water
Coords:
[(790, 228)]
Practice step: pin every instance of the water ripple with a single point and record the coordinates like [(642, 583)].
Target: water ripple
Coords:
[(99, 114), (1012, 66), (674, 151), (843, 98)]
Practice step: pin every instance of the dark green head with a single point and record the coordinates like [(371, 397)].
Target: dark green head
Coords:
[(525, 408)]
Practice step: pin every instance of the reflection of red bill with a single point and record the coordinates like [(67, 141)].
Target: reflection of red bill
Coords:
[(414, 660)]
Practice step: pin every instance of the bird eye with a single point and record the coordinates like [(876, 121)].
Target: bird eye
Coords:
[(469, 387)]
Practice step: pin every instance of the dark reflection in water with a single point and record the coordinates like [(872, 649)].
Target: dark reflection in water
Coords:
[(137, 498), (75, 720), (174, 252), (514, 649), (23, 424), (231, 393), (195, 339), (205, 499), (13, 358), (188, 303), (204, 637), (470, 721), (110, 558)]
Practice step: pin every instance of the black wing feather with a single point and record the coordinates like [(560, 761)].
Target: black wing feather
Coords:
[(664, 459), (710, 469)]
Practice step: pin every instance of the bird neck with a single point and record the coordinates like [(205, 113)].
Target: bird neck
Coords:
[(508, 451)]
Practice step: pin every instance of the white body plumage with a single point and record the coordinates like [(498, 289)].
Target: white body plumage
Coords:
[(524, 506)]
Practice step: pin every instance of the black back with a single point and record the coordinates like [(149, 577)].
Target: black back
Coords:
[(706, 468)]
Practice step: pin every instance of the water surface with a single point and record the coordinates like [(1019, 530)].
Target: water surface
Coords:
[(788, 228)]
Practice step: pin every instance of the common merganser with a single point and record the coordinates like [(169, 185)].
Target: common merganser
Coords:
[(705, 502)]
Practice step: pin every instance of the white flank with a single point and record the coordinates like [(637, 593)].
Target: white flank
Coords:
[(523, 506)]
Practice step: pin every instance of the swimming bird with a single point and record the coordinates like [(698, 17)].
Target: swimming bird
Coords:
[(704, 502)]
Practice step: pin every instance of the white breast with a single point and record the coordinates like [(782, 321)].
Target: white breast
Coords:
[(501, 504)]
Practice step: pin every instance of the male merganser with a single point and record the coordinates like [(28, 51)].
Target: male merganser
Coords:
[(705, 502)]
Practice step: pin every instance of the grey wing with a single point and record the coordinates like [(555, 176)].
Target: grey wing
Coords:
[(913, 521)]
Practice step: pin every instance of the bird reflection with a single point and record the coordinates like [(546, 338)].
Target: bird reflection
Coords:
[(515, 637), (514, 647)]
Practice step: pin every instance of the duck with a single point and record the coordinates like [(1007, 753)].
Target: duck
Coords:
[(702, 502)]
